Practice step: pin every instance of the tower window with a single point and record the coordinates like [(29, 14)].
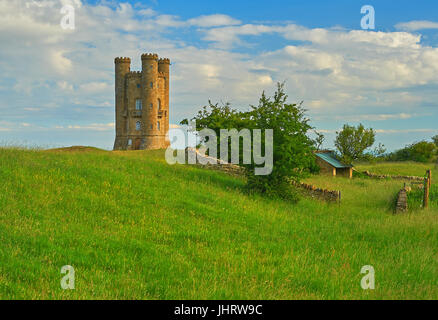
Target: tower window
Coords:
[(151, 84), (138, 105), (158, 125), (138, 126), (151, 106), (159, 105), (152, 126), (138, 85)]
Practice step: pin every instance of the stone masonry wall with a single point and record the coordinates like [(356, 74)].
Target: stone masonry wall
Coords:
[(324, 194), (386, 176), (402, 201), (217, 164)]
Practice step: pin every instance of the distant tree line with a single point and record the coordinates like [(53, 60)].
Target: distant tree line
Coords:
[(422, 151), (352, 142)]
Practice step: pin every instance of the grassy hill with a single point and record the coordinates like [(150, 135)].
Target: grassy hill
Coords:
[(134, 227)]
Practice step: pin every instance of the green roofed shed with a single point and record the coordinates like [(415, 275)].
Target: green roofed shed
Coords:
[(329, 164)]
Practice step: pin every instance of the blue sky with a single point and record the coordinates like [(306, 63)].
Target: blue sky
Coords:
[(57, 86)]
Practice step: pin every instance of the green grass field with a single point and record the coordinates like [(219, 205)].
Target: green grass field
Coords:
[(134, 227), (416, 196), (406, 168)]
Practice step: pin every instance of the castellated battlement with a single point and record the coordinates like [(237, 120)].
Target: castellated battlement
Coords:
[(149, 56), (122, 60), (134, 74), (164, 60), (142, 103)]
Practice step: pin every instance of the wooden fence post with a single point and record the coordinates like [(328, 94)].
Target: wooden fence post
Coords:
[(427, 184), (429, 178)]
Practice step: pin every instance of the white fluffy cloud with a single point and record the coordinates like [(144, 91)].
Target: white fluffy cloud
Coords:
[(332, 70), (417, 25), (213, 20)]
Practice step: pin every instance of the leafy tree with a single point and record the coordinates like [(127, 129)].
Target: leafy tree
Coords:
[(217, 117), (379, 151), (319, 140), (377, 154), (435, 140), (292, 158), (422, 151), (351, 142), (292, 148)]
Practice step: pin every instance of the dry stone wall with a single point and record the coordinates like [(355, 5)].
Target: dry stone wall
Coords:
[(324, 194), (214, 163), (402, 201), (387, 176)]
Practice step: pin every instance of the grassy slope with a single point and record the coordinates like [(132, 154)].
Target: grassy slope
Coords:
[(398, 168), (134, 227)]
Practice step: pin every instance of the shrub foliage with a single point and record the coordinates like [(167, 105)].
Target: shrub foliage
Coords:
[(292, 148)]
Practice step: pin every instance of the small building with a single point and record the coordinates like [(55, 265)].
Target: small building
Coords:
[(329, 164)]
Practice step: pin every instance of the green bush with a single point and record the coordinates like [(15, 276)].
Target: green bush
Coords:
[(292, 148), (422, 151)]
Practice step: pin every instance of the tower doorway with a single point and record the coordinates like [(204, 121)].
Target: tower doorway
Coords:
[(137, 144)]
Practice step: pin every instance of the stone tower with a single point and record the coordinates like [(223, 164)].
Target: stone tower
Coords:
[(142, 104)]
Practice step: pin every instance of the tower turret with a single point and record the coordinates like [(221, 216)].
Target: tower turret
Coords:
[(122, 67), (150, 99), (163, 67)]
